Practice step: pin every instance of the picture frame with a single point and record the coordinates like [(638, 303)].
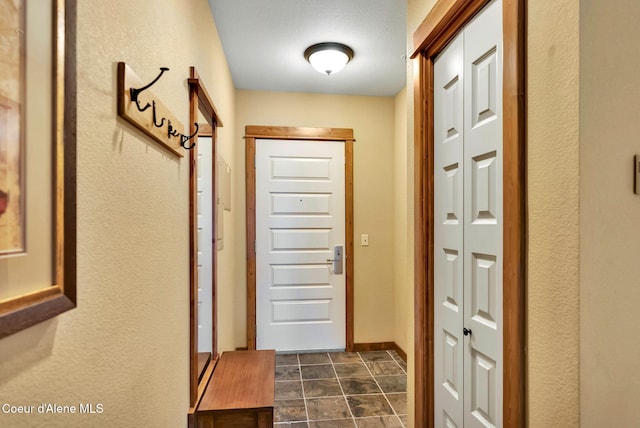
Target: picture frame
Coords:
[(38, 280)]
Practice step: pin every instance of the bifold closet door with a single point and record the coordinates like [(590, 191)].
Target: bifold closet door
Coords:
[(483, 218), (448, 236), (468, 225)]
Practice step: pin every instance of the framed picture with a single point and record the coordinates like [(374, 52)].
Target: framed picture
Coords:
[(37, 161)]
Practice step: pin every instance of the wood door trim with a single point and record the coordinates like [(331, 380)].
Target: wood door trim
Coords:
[(444, 21), (299, 133), (380, 346), (296, 133)]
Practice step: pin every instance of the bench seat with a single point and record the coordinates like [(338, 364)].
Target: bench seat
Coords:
[(240, 393)]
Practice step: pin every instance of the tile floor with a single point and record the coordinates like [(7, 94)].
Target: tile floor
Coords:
[(341, 389)]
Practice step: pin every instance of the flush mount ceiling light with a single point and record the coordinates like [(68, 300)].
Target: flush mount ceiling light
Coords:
[(328, 58)]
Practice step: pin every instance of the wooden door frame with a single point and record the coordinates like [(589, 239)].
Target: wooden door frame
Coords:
[(442, 23), (253, 133)]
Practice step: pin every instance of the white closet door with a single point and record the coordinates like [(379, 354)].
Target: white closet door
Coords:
[(468, 229), (483, 222), (448, 236)]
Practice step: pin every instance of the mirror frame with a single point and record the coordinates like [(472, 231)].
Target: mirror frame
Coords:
[(51, 300), (200, 101)]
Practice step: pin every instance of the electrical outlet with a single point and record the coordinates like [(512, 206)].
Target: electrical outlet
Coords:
[(364, 240)]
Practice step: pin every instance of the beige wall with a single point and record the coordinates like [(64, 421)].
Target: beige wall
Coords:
[(552, 180), (609, 233), (553, 223), (126, 344), (372, 119), (131, 325)]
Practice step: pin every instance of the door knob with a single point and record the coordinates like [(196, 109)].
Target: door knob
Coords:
[(466, 331)]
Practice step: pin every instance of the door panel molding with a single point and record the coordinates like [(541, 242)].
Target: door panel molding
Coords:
[(444, 21), (253, 133)]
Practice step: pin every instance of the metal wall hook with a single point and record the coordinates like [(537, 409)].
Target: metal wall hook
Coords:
[(135, 92), (185, 138), (155, 122)]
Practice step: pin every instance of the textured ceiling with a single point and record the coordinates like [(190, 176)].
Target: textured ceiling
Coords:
[(264, 42)]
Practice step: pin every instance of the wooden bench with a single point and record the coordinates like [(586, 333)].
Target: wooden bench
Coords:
[(240, 393)]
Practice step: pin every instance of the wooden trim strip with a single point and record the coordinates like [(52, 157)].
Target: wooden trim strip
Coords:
[(250, 194), (442, 23), (293, 133), (299, 133), (400, 351), (205, 130), (462, 18), (202, 386), (193, 245), (423, 232), (514, 212), (421, 380), (349, 223), (210, 112), (380, 346)]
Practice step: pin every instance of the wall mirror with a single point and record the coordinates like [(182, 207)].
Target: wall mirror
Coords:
[(37, 162), (202, 227)]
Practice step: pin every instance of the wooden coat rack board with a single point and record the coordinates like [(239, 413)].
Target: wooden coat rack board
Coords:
[(139, 106)]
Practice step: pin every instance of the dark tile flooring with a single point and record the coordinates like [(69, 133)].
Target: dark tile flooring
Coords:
[(341, 389)]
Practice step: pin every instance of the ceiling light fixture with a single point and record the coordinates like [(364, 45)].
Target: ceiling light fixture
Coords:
[(328, 58)]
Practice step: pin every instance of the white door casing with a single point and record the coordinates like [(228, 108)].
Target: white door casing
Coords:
[(300, 219), (468, 227), (205, 242)]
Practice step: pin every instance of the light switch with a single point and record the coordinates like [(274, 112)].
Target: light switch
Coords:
[(364, 240), (636, 174)]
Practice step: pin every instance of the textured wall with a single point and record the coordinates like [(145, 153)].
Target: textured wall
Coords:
[(126, 344), (372, 120), (609, 232), (553, 226)]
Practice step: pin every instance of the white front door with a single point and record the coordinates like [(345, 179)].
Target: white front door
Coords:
[(300, 228), (468, 225)]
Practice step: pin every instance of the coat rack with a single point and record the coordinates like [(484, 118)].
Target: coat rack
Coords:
[(139, 106)]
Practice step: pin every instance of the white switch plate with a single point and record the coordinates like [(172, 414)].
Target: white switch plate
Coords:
[(364, 240), (636, 175)]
